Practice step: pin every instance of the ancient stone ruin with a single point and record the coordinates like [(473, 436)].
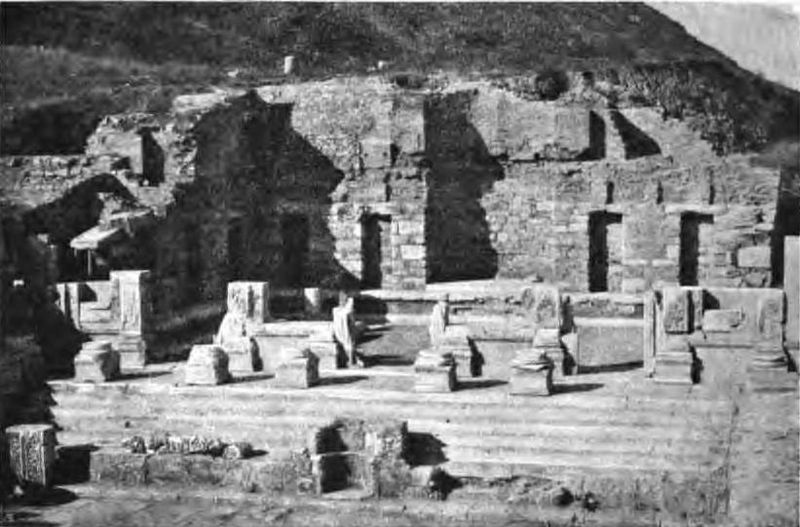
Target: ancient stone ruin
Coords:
[(451, 289)]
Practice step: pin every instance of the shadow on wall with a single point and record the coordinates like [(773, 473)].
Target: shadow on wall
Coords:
[(258, 209), (637, 143), (787, 220), (462, 172)]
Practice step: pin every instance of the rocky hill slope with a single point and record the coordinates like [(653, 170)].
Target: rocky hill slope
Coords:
[(65, 65)]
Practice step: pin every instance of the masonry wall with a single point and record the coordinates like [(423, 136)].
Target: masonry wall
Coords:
[(709, 224)]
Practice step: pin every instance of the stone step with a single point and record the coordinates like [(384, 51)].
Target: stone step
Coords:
[(295, 435), (564, 464), (653, 398), (233, 412)]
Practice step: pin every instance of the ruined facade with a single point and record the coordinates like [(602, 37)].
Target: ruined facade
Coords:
[(357, 183)]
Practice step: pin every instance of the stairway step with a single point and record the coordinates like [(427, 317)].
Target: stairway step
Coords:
[(612, 467), (225, 412)]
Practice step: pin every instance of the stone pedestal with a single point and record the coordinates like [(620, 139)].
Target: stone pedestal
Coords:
[(32, 454), (134, 316), (649, 332), (455, 341), (207, 365), (767, 356), (249, 300), (243, 355), (435, 372), (97, 362), (675, 363), (323, 345), (531, 376), (548, 341), (312, 301), (677, 315), (298, 369), (791, 286)]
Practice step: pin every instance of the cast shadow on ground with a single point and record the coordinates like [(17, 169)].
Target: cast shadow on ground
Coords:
[(579, 387), (387, 360), (251, 378), (477, 384), (72, 464), (343, 379), (132, 376)]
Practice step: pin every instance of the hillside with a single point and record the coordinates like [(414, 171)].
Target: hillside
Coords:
[(71, 63)]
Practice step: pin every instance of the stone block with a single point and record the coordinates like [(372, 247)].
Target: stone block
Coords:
[(32, 454), (118, 467), (545, 304), (547, 338), (791, 286), (676, 313), (132, 351), (722, 320), (675, 363), (531, 376), (97, 362), (249, 300), (754, 257), (435, 372), (312, 301), (456, 342), (770, 316), (207, 365), (649, 338), (331, 356), (243, 355), (299, 369), (240, 450), (134, 300)]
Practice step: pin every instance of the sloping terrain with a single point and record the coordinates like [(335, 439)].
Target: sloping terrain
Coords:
[(85, 60)]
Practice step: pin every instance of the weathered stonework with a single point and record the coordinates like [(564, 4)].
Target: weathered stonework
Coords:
[(299, 369), (97, 362), (207, 365), (32, 454), (676, 317)]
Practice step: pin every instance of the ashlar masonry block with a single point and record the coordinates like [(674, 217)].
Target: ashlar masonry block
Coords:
[(677, 316), (207, 365), (32, 454), (435, 372), (299, 369), (531, 374)]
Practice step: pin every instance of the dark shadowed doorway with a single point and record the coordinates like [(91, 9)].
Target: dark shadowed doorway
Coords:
[(598, 248), (294, 236), (690, 246), (375, 249)]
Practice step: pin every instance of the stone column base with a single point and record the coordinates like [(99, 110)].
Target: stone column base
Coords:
[(300, 369), (97, 362), (207, 365)]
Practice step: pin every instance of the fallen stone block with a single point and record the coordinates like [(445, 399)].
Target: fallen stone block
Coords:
[(97, 362), (435, 372), (32, 454), (207, 365), (299, 369), (243, 355)]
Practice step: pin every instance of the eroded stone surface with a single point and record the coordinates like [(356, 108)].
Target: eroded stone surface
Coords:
[(32, 454), (676, 313), (207, 365)]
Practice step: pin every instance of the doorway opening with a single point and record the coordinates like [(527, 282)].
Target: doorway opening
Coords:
[(690, 246), (375, 250), (294, 239), (599, 222)]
